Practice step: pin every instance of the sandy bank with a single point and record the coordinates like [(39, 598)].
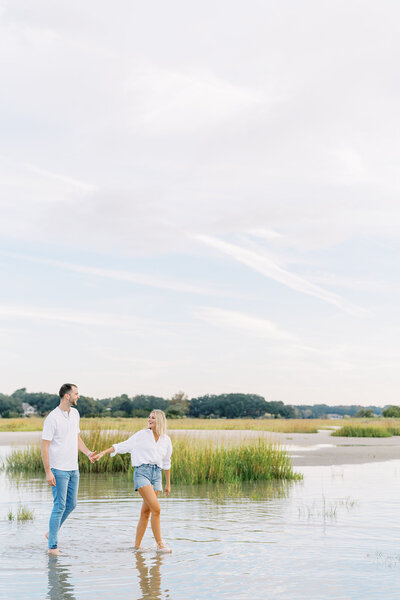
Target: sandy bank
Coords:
[(306, 449)]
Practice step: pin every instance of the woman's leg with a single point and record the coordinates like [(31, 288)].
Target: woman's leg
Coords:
[(150, 499), (142, 525)]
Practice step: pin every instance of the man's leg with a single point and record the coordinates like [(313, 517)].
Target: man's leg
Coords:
[(59, 498), (72, 494)]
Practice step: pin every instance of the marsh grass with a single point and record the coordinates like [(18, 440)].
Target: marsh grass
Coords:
[(273, 425), (22, 514), (278, 425), (22, 424), (121, 424), (350, 428), (199, 462), (380, 429), (194, 461)]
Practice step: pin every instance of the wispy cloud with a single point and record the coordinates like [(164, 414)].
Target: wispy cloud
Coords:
[(265, 265), (170, 100), (144, 365), (20, 167), (82, 185), (121, 275), (62, 315), (266, 234), (254, 326), (361, 284)]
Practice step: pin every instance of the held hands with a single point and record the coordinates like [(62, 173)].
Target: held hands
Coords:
[(98, 456), (92, 456)]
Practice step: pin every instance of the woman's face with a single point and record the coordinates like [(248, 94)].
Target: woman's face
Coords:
[(152, 421)]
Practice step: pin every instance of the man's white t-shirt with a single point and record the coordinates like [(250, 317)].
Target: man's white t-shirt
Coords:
[(62, 429)]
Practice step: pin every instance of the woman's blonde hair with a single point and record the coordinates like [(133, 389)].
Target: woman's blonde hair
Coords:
[(161, 421)]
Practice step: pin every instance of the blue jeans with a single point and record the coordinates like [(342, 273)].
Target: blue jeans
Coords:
[(65, 495)]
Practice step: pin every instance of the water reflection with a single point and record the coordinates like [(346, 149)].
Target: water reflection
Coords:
[(113, 486), (106, 486), (222, 492), (275, 540), (103, 486), (59, 586), (150, 577)]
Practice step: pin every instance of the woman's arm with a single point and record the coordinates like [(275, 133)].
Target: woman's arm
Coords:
[(103, 452), (120, 448), (166, 465), (167, 481)]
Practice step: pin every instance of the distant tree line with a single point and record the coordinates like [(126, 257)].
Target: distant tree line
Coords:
[(229, 406), (321, 411)]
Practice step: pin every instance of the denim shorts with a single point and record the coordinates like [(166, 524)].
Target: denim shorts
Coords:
[(148, 475)]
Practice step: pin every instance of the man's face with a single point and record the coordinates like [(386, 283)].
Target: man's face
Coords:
[(73, 396)]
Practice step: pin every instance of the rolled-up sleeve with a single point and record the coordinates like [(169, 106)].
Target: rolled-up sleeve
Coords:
[(166, 463), (123, 447)]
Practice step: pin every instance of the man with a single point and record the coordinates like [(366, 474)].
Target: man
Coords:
[(60, 444)]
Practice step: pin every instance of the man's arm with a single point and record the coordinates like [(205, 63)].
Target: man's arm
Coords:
[(46, 463), (83, 448)]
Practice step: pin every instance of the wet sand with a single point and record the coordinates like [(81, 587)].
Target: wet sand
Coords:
[(306, 449)]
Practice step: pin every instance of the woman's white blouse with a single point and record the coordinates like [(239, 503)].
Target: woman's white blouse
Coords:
[(145, 450)]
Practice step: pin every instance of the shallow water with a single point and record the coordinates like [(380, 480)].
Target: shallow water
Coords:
[(333, 536)]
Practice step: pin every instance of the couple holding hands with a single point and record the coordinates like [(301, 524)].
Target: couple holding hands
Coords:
[(150, 450)]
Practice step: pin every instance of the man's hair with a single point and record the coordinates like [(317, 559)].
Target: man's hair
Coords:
[(65, 389)]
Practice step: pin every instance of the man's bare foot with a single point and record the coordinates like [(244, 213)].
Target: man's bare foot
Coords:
[(54, 551), (46, 535)]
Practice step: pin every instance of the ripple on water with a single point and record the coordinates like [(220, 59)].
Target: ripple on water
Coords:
[(333, 536)]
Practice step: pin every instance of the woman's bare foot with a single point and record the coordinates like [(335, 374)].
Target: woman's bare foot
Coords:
[(46, 535), (54, 551), (162, 547)]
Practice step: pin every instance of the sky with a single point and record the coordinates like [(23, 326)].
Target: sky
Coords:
[(201, 197)]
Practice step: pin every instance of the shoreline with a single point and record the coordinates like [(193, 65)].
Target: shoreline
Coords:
[(305, 449)]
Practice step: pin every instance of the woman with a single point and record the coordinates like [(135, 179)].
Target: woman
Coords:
[(151, 451)]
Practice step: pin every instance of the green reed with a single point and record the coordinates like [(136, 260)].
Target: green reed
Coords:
[(22, 514), (194, 461), (27, 460), (200, 462), (378, 431)]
